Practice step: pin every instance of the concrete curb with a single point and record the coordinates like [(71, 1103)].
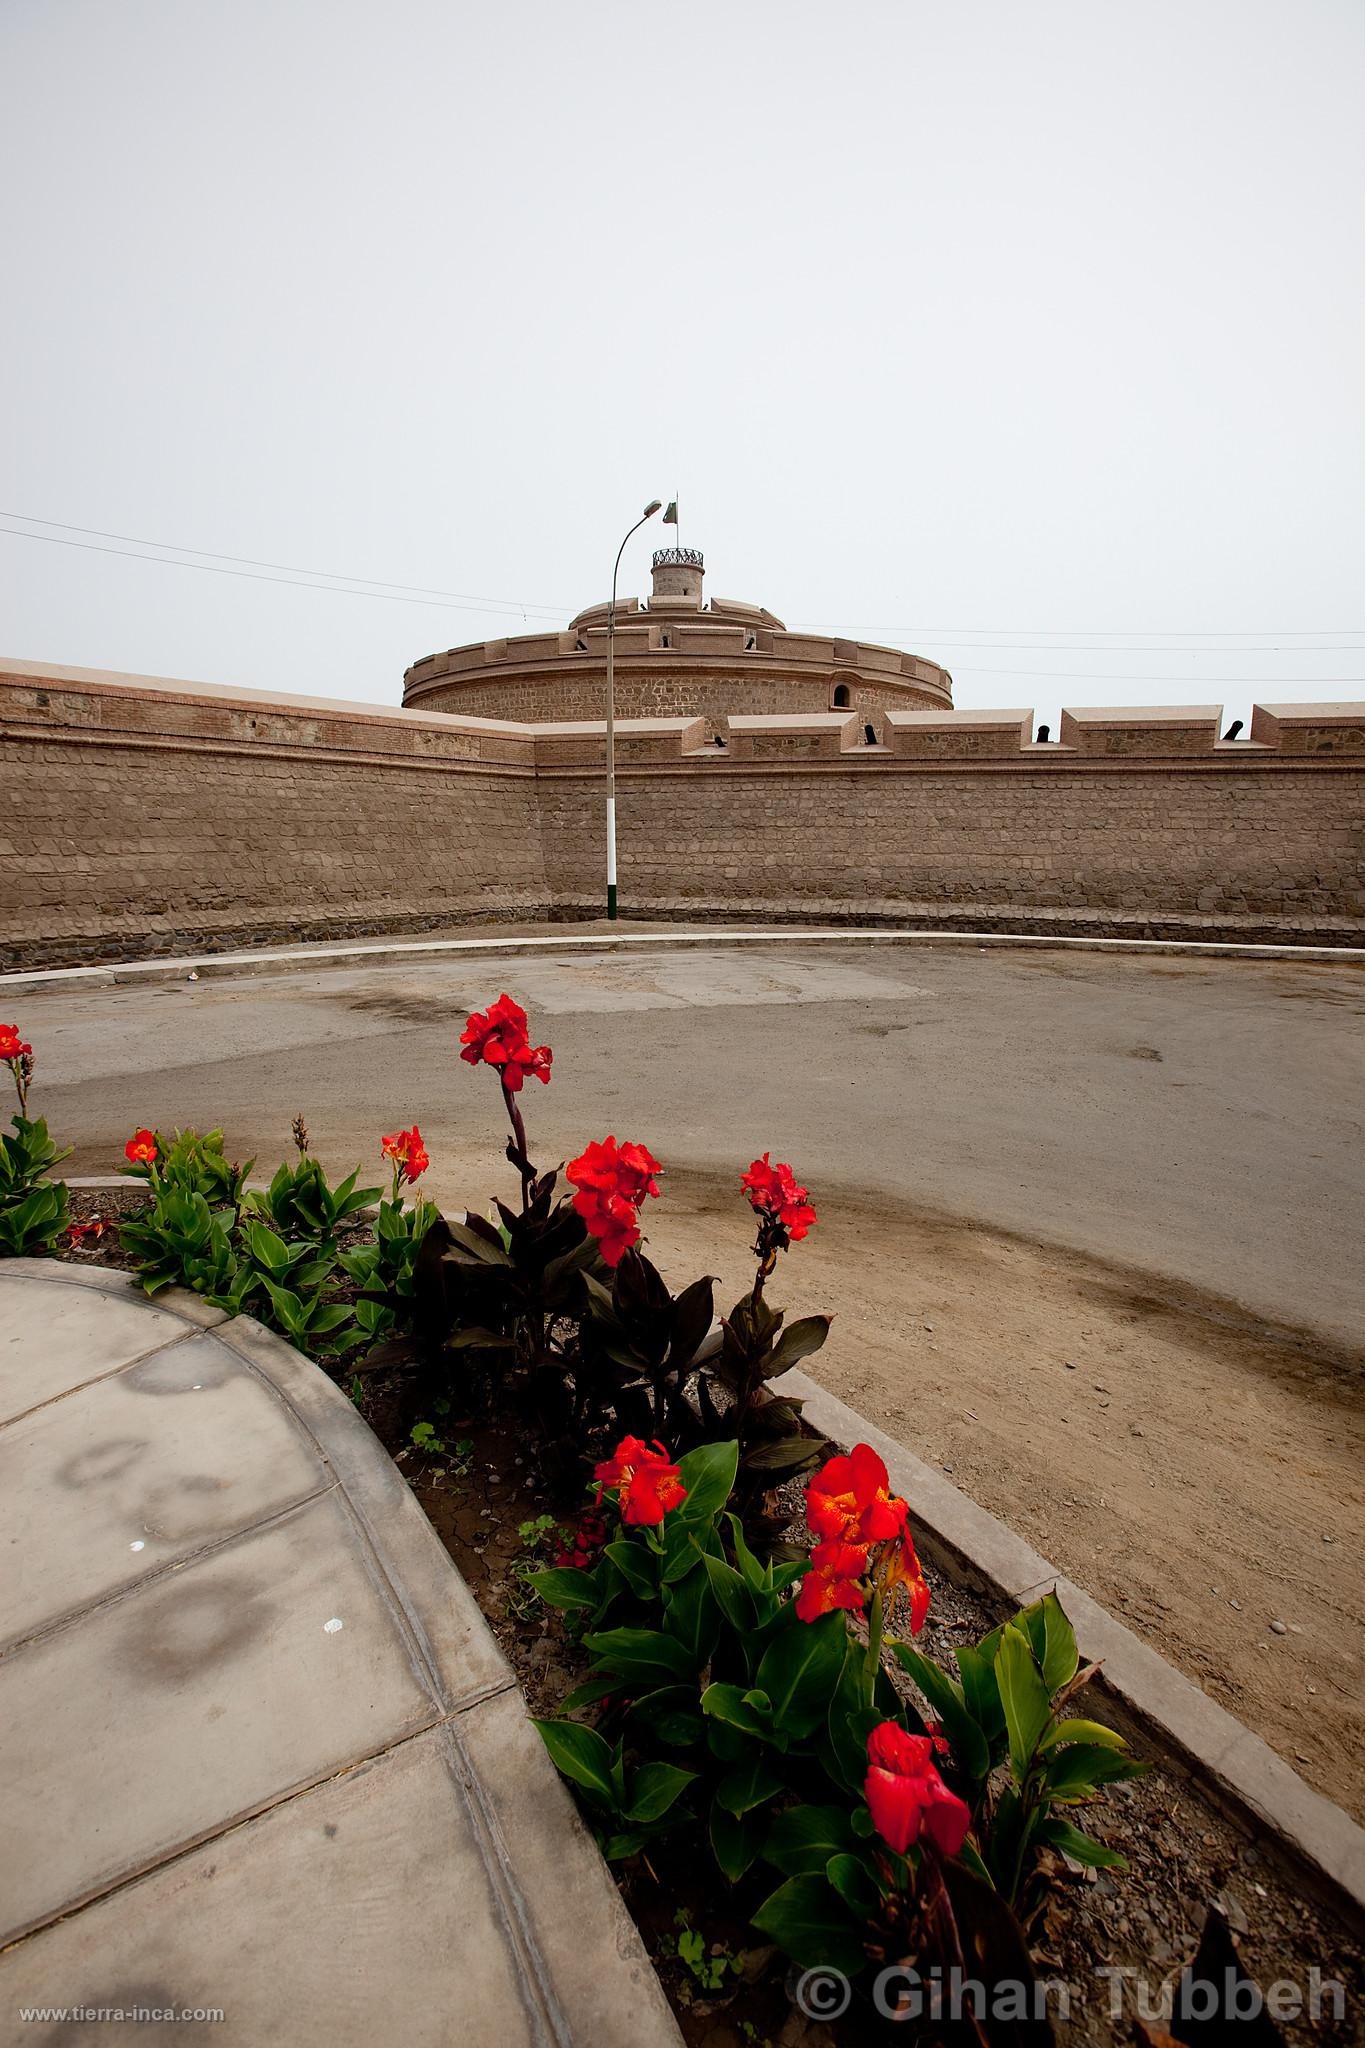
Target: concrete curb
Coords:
[(385, 952), (583, 1972), (1242, 1769)]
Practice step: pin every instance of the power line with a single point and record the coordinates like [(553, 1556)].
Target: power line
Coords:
[(256, 576), (250, 562), (987, 638)]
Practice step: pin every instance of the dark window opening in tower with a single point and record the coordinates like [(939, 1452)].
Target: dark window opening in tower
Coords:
[(841, 696), (870, 735), (1044, 734)]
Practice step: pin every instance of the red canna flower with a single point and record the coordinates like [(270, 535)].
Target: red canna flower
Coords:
[(833, 1579), (897, 1565), (772, 1191), (849, 1501), (12, 1046), (141, 1148), (647, 1484), (851, 1497), (906, 1796), (408, 1153), (78, 1232), (499, 1037), (612, 1182)]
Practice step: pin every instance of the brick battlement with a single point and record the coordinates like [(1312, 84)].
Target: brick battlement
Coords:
[(143, 815)]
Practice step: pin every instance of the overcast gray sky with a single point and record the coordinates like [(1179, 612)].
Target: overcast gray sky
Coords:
[(1029, 336)]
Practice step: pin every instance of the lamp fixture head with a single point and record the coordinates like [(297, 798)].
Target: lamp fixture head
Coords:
[(652, 507)]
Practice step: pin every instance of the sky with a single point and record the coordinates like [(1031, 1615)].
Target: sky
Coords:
[(1028, 337)]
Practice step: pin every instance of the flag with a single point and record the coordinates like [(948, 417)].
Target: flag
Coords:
[(670, 517)]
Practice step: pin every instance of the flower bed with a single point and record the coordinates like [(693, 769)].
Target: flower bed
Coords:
[(804, 1792)]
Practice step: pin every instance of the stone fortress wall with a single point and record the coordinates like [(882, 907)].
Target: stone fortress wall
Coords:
[(143, 816)]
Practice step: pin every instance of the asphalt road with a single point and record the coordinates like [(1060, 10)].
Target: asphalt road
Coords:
[(1199, 1120)]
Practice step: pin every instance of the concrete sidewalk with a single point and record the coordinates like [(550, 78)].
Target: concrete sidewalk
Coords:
[(258, 1751)]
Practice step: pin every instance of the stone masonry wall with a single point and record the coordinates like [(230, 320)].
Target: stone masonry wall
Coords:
[(139, 817), (142, 820), (1062, 848), (646, 693)]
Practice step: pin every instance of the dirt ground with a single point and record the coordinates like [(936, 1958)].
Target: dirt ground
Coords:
[(1201, 1475)]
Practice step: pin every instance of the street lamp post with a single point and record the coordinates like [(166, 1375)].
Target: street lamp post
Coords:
[(650, 509)]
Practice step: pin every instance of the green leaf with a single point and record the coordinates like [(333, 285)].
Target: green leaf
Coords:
[(708, 1473), (967, 1855), (640, 1650), (731, 1704), (1082, 1731), (1075, 1772), (654, 1788), (800, 1669), (1084, 1849), (1052, 1640), (751, 1571), (581, 1754), (807, 1918), (730, 1593), (636, 1564), (588, 1694), (980, 1691), (749, 1785), (1024, 1696), (270, 1249), (971, 1751), (802, 1840), (565, 1587), (735, 1839), (855, 1884), (692, 1616)]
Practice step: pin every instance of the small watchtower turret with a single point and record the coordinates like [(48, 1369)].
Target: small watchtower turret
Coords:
[(678, 575)]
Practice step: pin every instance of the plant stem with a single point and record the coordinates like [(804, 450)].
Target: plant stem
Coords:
[(872, 1661), (938, 1909), (519, 1133)]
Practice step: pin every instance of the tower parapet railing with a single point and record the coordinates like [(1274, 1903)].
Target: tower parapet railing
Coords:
[(678, 558)]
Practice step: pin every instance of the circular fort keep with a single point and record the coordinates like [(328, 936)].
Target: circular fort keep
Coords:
[(678, 655)]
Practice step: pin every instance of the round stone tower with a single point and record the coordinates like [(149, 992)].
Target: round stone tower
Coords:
[(678, 575), (677, 654)]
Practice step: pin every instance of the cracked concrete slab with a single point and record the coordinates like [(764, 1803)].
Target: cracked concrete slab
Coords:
[(273, 1762)]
